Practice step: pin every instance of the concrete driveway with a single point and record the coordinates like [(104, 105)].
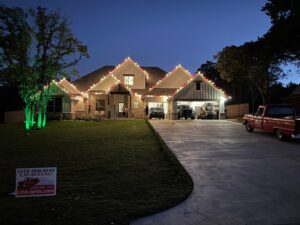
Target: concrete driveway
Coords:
[(240, 178)]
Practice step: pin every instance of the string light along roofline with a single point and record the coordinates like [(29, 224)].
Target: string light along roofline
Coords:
[(179, 66)]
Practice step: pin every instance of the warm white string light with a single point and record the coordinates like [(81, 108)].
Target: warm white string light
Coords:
[(179, 66), (101, 80), (63, 83), (212, 84)]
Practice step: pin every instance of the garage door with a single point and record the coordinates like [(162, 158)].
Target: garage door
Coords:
[(163, 105), (203, 109)]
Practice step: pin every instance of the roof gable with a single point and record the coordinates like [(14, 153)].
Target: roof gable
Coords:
[(153, 74), (84, 83), (54, 89), (174, 79), (129, 62), (208, 90), (120, 89), (67, 87), (104, 84)]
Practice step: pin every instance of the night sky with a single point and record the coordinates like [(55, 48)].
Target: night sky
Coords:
[(158, 32)]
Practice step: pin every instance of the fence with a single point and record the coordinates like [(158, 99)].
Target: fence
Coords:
[(237, 110), (14, 117)]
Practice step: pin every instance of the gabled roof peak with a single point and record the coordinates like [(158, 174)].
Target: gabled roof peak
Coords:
[(179, 66), (67, 87), (128, 59)]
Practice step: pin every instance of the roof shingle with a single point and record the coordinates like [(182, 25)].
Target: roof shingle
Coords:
[(85, 82)]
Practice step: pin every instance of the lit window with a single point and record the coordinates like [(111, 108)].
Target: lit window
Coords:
[(128, 79)]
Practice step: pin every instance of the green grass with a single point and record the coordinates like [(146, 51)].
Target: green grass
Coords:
[(108, 173)]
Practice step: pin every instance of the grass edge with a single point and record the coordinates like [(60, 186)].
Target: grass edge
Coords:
[(171, 156)]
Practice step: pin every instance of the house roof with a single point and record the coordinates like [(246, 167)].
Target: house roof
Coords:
[(119, 88), (67, 87), (85, 82), (155, 74), (169, 81), (158, 81), (104, 84), (162, 91), (199, 77)]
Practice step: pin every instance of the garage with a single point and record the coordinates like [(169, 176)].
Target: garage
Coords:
[(202, 109), (163, 105), (201, 95)]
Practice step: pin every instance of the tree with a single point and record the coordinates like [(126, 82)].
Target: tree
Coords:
[(47, 50), (280, 93), (284, 35), (259, 63), (15, 42), (209, 70), (55, 45), (239, 89), (251, 63)]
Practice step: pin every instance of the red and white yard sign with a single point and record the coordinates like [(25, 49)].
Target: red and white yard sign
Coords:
[(31, 182)]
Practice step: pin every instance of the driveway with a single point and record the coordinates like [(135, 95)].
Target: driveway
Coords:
[(240, 178)]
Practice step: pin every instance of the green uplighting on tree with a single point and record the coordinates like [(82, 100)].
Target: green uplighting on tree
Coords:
[(37, 46)]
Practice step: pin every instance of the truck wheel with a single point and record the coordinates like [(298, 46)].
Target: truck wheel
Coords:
[(280, 135), (248, 127)]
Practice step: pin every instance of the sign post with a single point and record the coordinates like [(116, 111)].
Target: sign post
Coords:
[(33, 182)]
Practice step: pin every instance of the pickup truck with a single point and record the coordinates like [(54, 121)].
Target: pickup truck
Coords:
[(185, 111), (278, 119)]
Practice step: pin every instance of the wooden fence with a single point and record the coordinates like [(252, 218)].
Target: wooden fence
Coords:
[(237, 110), (14, 117)]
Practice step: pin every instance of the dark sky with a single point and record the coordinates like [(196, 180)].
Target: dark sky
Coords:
[(158, 32)]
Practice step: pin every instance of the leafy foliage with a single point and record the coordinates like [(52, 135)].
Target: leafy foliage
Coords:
[(259, 63), (36, 46), (250, 63), (232, 87), (284, 35)]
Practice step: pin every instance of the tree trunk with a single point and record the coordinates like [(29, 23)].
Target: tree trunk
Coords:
[(262, 95), (28, 117), (32, 116), (40, 110), (44, 113)]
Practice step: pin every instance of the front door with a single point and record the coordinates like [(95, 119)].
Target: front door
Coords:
[(120, 109)]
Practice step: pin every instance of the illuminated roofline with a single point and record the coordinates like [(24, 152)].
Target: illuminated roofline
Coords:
[(179, 66)]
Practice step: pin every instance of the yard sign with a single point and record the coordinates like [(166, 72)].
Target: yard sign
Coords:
[(32, 182)]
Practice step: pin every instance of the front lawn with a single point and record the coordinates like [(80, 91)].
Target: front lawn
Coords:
[(108, 172)]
